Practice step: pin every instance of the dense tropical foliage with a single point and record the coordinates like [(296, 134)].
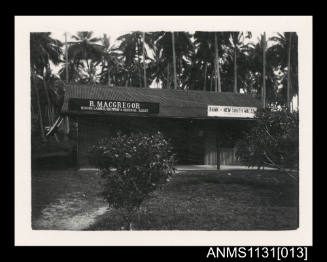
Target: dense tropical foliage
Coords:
[(209, 61), (272, 141)]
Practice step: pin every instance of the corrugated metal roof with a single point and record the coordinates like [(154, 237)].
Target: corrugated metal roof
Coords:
[(173, 103)]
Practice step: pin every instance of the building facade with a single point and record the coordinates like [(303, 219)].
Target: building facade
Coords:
[(202, 126)]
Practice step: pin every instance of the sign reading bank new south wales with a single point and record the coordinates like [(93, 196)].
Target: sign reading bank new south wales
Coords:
[(231, 111), (95, 105)]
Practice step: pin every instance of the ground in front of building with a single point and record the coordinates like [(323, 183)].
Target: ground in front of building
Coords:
[(193, 200)]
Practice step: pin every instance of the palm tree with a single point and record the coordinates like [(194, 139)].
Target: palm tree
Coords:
[(174, 58), (208, 47), (203, 54), (285, 52), (159, 65), (158, 69), (181, 50), (34, 81), (289, 69), (144, 65), (262, 72), (218, 86), (133, 51), (264, 69), (43, 50), (238, 46), (85, 54), (110, 60)]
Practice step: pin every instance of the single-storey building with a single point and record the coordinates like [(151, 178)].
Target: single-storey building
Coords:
[(203, 126)]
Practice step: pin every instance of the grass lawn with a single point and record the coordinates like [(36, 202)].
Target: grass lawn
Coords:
[(65, 199), (208, 200)]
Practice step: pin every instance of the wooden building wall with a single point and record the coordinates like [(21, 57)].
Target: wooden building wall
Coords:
[(210, 153), (194, 141), (227, 154)]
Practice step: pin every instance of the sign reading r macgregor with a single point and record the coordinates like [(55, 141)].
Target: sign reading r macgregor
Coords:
[(112, 106), (231, 111)]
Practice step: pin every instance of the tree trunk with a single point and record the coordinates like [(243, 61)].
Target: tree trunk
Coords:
[(235, 70), (50, 107), (144, 65), (66, 59), (140, 75), (128, 217), (180, 70), (109, 83), (50, 116), (215, 64), (205, 76), (65, 127), (263, 91), (211, 78), (139, 63), (174, 59), (33, 114), (89, 70), (66, 138), (218, 84), (40, 114), (289, 82), (168, 77)]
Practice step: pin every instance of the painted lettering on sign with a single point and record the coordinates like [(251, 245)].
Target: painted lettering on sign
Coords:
[(231, 111), (112, 106)]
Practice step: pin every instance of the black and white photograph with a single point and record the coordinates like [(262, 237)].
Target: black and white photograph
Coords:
[(137, 126)]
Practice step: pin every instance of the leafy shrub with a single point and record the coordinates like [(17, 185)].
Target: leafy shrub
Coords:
[(273, 141), (132, 166)]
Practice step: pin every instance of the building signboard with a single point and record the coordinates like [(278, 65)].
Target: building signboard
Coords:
[(231, 111), (96, 105)]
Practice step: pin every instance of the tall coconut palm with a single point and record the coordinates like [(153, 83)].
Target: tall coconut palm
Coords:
[(133, 51), (159, 70), (289, 70), (43, 50), (111, 63), (85, 52), (174, 58), (182, 48), (285, 52), (261, 77), (264, 70), (35, 88), (204, 54), (208, 47), (192, 76), (144, 57), (218, 85), (238, 46)]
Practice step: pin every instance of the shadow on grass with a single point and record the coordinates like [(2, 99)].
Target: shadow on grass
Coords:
[(228, 200), (59, 195)]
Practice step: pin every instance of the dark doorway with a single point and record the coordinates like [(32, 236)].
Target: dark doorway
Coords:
[(186, 136)]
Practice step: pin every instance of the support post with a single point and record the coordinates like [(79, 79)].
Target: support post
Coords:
[(218, 149), (77, 163)]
